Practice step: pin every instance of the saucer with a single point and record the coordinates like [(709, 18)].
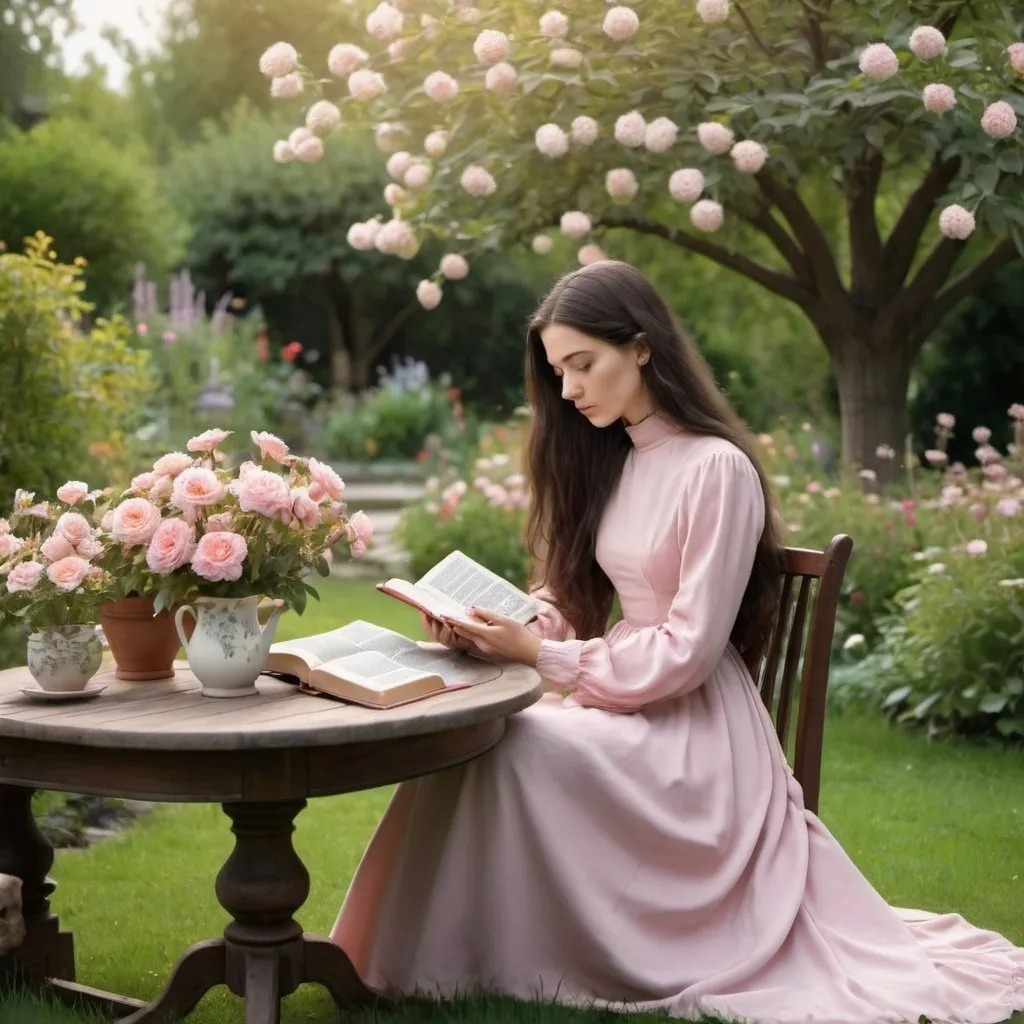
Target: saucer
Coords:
[(37, 693)]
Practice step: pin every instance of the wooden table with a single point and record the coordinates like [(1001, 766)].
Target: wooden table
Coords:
[(261, 758)]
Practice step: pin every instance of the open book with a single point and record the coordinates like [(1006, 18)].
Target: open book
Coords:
[(457, 583), (373, 666)]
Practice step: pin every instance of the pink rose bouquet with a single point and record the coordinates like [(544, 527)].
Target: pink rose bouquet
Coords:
[(194, 527)]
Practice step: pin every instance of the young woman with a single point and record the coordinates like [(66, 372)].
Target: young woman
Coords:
[(637, 839)]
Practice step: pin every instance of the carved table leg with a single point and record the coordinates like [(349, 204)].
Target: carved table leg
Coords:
[(47, 952)]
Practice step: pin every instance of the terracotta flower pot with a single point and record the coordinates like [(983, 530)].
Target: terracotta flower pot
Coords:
[(143, 645)]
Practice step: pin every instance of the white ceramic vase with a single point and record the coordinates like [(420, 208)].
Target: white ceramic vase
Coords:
[(228, 647), (63, 660)]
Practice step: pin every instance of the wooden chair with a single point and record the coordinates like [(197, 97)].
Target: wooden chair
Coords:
[(801, 569)]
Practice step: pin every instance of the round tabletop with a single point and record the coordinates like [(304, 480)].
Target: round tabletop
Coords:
[(172, 714)]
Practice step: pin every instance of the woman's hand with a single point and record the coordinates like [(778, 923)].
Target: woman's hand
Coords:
[(440, 633), (496, 636)]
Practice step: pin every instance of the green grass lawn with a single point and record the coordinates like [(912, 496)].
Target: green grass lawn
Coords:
[(937, 825)]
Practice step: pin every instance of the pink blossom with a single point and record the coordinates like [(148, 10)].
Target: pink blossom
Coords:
[(995, 471), (286, 87), (712, 11), (388, 136), (885, 451), (436, 143), (945, 420), (429, 294), (398, 163), (305, 509), (976, 547), (749, 156), (621, 184), (1015, 53), (208, 440), (541, 244), (363, 236), (24, 576), (981, 435), (271, 447), (1008, 507), (54, 548), (361, 527), (999, 120), (384, 22), (491, 46), (195, 489), (142, 482), (938, 98), (135, 521), (478, 181), (69, 573), (418, 176), (219, 521), (394, 194), (631, 129), (11, 545), (279, 60), (987, 455), (283, 152), (575, 224), (440, 87), (5, 526), (936, 568), (363, 85), (172, 546), (956, 222), (566, 57), (141, 329), (396, 238), (325, 482), (310, 151), (171, 465), (72, 492), (501, 78), (927, 42), (935, 456), (868, 474), (74, 527), (324, 116), (554, 25), (584, 130), (161, 490), (219, 556), (551, 140), (1016, 412), (262, 492), (89, 548), (454, 266), (590, 254), (686, 185), (715, 137), (620, 24), (469, 15), (879, 62), (660, 135), (979, 510), (707, 215), (345, 58)]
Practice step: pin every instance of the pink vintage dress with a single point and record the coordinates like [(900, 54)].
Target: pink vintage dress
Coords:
[(642, 843)]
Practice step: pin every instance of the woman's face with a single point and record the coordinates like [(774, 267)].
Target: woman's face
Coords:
[(602, 380)]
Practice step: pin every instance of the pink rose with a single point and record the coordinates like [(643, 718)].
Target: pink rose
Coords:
[(72, 492), (263, 492), (172, 546), (73, 527), (357, 549), (135, 521), (361, 525), (162, 489), (219, 556), (325, 482), (270, 446), (24, 576), (68, 573), (57, 547), (5, 527), (219, 523), (10, 545), (107, 521), (208, 440), (143, 482), (196, 488), (89, 548), (305, 509), (172, 464)]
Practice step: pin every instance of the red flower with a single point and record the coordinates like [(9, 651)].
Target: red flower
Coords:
[(856, 597), (454, 394), (291, 351)]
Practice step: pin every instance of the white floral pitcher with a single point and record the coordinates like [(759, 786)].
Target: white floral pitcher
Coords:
[(228, 648)]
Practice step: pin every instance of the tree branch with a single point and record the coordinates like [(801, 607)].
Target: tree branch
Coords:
[(862, 223), (1002, 253), (901, 245), (765, 48), (780, 284), (808, 234), (763, 220)]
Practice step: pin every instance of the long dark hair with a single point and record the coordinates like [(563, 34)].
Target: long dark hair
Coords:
[(573, 468)]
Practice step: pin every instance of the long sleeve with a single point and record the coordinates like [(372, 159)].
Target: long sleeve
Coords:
[(719, 523), (550, 623)]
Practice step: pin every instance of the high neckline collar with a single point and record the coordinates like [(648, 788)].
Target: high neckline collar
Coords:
[(652, 431)]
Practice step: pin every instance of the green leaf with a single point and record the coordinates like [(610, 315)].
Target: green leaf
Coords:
[(1010, 162), (987, 178), (897, 696), (992, 703)]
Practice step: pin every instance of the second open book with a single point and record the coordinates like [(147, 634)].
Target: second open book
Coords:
[(375, 667)]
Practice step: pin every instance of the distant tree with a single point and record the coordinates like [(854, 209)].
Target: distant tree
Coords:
[(28, 53)]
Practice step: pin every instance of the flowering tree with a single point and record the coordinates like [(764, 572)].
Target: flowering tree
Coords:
[(708, 128)]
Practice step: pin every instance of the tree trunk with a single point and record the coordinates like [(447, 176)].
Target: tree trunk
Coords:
[(873, 375), (339, 360)]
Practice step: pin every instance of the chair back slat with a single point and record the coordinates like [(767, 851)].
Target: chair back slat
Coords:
[(807, 635)]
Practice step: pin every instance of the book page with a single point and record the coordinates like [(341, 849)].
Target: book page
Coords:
[(466, 582), (374, 671), (435, 604), (321, 647)]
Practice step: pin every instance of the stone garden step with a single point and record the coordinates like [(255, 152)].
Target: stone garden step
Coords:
[(382, 495)]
